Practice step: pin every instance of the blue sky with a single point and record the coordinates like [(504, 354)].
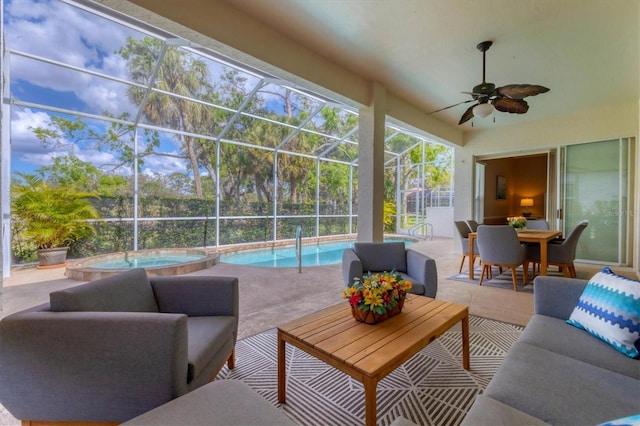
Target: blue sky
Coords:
[(57, 31)]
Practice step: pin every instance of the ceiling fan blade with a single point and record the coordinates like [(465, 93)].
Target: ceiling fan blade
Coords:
[(468, 115), (451, 106), (513, 106), (521, 91)]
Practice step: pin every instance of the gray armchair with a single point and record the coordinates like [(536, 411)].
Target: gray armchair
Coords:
[(377, 257), (111, 349)]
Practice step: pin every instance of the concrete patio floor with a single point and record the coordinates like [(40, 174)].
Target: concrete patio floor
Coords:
[(272, 296)]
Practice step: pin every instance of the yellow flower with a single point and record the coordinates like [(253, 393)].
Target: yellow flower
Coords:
[(373, 301)]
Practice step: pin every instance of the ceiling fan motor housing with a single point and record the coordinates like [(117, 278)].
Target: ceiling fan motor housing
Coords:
[(484, 88)]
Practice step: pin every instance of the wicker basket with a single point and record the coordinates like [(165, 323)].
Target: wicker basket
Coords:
[(370, 317)]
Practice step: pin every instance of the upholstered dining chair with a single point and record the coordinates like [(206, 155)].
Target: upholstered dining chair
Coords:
[(562, 254), (473, 225), (499, 246), (463, 237), (537, 224)]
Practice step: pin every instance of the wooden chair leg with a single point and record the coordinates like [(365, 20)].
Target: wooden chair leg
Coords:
[(462, 263), (514, 277), (484, 270)]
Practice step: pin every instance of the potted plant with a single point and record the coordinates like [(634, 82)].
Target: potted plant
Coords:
[(518, 222), (52, 217)]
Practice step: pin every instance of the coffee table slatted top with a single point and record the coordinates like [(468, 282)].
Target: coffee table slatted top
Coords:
[(375, 350)]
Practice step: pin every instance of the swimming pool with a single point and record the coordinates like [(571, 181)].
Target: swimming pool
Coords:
[(316, 254)]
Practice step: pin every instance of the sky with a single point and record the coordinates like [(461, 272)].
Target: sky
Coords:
[(57, 31)]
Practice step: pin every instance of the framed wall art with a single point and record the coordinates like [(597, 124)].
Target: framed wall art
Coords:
[(501, 188)]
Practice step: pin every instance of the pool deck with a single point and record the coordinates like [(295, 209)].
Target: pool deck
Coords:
[(273, 296)]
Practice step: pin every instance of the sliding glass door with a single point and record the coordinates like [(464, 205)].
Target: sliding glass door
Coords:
[(595, 187)]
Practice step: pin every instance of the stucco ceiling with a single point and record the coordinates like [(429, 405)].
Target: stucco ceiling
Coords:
[(585, 51)]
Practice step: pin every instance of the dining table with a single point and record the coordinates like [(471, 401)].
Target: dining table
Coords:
[(540, 236)]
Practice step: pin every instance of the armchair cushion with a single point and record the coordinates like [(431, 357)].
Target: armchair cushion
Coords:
[(205, 337), (375, 260), (126, 292)]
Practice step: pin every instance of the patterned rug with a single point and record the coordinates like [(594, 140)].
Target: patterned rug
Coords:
[(499, 280), (431, 388)]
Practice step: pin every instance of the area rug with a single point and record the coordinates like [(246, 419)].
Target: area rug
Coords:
[(500, 280), (431, 388)]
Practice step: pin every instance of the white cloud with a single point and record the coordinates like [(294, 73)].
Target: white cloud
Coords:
[(58, 31)]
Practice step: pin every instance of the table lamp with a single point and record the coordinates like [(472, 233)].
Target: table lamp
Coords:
[(526, 203)]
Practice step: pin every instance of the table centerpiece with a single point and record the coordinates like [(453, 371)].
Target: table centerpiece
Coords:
[(377, 296), (518, 222)]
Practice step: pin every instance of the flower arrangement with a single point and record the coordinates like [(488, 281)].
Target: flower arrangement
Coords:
[(377, 294), (517, 221)]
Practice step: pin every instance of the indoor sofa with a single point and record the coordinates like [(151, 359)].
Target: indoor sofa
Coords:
[(557, 373), (111, 349)]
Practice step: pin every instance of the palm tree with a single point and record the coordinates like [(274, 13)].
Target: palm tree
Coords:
[(180, 74)]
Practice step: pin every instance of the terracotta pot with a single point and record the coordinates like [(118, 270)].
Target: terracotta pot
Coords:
[(370, 317)]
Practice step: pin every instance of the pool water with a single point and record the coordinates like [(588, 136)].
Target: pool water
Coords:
[(329, 253), (147, 261)]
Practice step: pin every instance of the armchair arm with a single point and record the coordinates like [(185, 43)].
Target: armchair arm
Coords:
[(197, 295), (423, 268), (351, 266), (556, 296), (91, 366)]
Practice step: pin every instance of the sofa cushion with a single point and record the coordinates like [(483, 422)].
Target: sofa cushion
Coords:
[(487, 411), (378, 257), (556, 335), (125, 292), (205, 337), (609, 309), (561, 390)]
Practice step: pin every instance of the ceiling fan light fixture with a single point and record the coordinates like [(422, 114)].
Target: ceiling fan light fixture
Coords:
[(482, 110)]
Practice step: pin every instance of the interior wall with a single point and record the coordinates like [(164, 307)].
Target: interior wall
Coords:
[(529, 181)]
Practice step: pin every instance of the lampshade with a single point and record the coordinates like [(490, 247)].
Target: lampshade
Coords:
[(526, 202), (482, 110)]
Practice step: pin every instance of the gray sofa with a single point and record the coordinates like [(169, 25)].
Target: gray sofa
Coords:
[(556, 373), (416, 267), (111, 349)]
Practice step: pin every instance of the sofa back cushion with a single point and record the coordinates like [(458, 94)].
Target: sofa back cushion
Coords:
[(378, 257), (125, 292)]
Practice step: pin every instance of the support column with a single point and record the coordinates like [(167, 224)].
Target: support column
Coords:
[(371, 167)]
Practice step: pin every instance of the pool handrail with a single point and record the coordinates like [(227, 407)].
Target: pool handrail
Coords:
[(299, 247)]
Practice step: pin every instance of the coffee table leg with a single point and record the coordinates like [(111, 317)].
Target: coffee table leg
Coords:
[(465, 343), (281, 368), (370, 408)]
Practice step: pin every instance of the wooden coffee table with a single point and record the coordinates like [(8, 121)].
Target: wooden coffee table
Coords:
[(366, 352)]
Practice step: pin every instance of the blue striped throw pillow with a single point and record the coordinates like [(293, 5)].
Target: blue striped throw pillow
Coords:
[(609, 309)]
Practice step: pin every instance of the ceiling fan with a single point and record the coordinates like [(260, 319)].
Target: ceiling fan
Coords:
[(509, 98)]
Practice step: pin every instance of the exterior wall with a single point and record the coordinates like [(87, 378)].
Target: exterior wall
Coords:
[(441, 218)]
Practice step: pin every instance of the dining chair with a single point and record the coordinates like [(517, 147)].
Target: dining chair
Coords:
[(537, 224), (499, 246), (463, 237), (473, 225), (562, 254)]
